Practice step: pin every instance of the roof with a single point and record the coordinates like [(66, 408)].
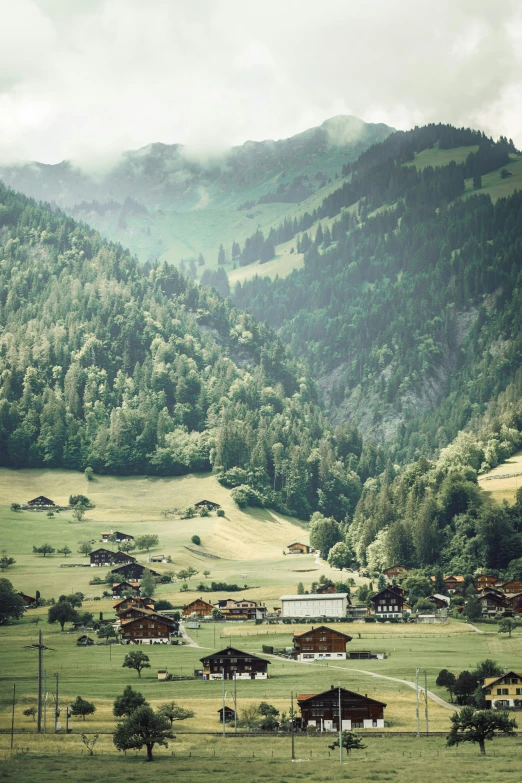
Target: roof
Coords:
[(323, 627), (397, 591), (41, 497), (148, 615), (206, 503), (198, 600), (298, 543), (395, 565), (452, 576), (351, 694), (116, 533), (313, 597), (233, 652), (489, 681), (440, 597)]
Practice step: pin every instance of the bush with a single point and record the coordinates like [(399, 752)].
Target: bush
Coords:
[(245, 495), (89, 474), (196, 540), (188, 513), (15, 506), (233, 477), (204, 511), (370, 619), (220, 512), (163, 604)]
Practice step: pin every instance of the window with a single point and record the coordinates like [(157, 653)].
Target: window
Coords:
[(505, 691), (514, 681), (499, 691), (518, 691)]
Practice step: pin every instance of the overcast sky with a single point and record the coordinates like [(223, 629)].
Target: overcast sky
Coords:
[(86, 79)]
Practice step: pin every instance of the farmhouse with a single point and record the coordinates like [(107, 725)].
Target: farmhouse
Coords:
[(298, 549), (389, 602), (135, 600), (132, 571), (208, 503), (147, 630), (512, 587), (138, 611), (231, 663), (504, 691), (121, 588), (320, 643), (315, 605), (241, 610), (27, 599), (493, 604), (119, 537), (454, 584), (357, 712), (198, 606), (394, 570), (484, 580), (41, 500), (104, 557), (440, 601)]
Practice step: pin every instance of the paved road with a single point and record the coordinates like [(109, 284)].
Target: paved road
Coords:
[(190, 642)]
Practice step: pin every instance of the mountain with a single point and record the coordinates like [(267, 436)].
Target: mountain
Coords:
[(407, 303), (104, 364), (167, 201)]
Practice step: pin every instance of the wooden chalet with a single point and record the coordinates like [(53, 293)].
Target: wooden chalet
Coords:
[(84, 641), (493, 604), (485, 580), (503, 692), (119, 536), (147, 629), (515, 602), (230, 714), (27, 599), (198, 606), (105, 557), (120, 589), (132, 572), (321, 710), (41, 501), (454, 584), (298, 549), (320, 643), (389, 602), (134, 600), (208, 503), (231, 663), (394, 570), (241, 610), (138, 611), (439, 601), (511, 587)]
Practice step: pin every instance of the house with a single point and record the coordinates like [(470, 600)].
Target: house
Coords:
[(198, 606), (42, 501), (147, 630), (105, 557), (241, 610), (454, 584), (134, 600), (27, 599), (315, 605), (84, 641), (120, 589), (504, 691), (231, 663), (159, 559), (132, 612), (321, 710), (119, 537), (208, 503), (358, 610), (493, 604), (132, 572), (320, 643), (484, 580), (515, 602), (394, 570), (298, 549), (512, 587), (440, 601), (230, 714), (389, 602)]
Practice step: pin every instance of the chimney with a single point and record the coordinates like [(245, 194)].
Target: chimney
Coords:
[(332, 687)]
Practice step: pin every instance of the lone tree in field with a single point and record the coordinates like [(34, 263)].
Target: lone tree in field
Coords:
[(84, 548), (174, 712), (446, 680), (143, 727), (82, 707), (129, 701), (64, 551), (90, 742), (471, 725), (350, 740), (508, 625), (30, 712), (107, 632), (79, 511), (5, 560), (147, 541), (62, 612), (136, 660), (45, 549)]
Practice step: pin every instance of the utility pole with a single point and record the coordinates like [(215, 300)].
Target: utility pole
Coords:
[(40, 647), (45, 703), (12, 715), (235, 703), (56, 707), (340, 730), (417, 699), (223, 708), (292, 722), (426, 699)]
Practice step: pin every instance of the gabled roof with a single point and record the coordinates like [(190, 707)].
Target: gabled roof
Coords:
[(125, 566), (397, 591), (489, 681), (298, 543), (198, 600), (322, 628), (148, 615), (334, 692), (232, 652)]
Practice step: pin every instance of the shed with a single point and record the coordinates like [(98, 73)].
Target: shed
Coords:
[(84, 641), (230, 714), (162, 674)]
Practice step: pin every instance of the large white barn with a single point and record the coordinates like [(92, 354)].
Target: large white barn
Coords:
[(315, 605)]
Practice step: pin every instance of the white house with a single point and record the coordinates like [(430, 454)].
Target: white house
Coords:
[(315, 605)]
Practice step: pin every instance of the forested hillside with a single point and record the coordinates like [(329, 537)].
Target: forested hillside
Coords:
[(408, 307), (126, 370)]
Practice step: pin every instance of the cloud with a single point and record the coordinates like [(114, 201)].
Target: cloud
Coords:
[(87, 79)]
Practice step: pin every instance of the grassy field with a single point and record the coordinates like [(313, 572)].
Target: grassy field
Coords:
[(437, 157), (496, 187), (503, 488)]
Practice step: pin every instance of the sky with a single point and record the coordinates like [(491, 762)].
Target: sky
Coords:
[(86, 79)]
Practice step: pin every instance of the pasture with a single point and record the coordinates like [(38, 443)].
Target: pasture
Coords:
[(498, 488)]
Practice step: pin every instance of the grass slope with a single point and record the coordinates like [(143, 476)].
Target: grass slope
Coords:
[(437, 157), (503, 488)]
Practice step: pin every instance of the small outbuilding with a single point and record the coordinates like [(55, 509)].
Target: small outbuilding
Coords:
[(230, 714), (84, 641), (298, 549)]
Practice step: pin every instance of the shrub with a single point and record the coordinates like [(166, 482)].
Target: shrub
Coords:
[(204, 511), (220, 512), (15, 506), (233, 477), (245, 495), (196, 540), (369, 619)]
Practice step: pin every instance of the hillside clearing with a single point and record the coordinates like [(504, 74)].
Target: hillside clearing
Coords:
[(499, 488)]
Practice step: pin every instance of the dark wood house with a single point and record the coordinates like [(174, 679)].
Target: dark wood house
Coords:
[(493, 604), (513, 587), (147, 630), (119, 536), (120, 589), (298, 549), (132, 572), (394, 570), (41, 500), (198, 606), (231, 663), (320, 643), (105, 557), (208, 503), (230, 714), (27, 599), (389, 602), (131, 612), (357, 712), (485, 580), (134, 600)]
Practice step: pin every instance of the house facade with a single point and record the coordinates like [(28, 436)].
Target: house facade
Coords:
[(208, 503), (320, 643), (134, 600), (315, 605), (298, 549), (241, 610), (394, 570), (41, 501), (132, 572), (232, 663), (513, 587), (388, 603), (119, 536), (357, 712), (105, 557), (502, 692), (493, 604), (146, 630), (198, 606), (439, 601), (120, 589), (485, 580)]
